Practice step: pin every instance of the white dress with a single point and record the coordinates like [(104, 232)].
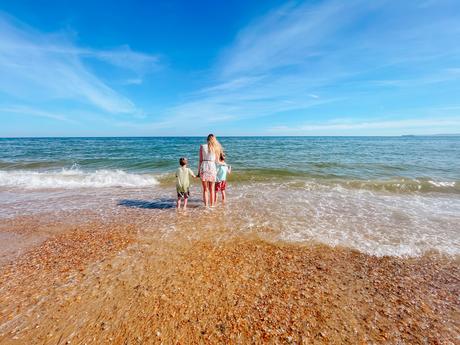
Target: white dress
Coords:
[(208, 169)]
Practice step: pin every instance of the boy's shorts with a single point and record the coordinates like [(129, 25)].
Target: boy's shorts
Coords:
[(221, 186), (183, 195)]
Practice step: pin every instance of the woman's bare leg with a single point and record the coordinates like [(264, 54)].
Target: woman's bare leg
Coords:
[(204, 184), (212, 192)]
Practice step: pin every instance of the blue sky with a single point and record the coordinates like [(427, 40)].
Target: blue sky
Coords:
[(106, 68)]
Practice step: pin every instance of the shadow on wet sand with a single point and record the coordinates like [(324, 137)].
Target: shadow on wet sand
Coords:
[(157, 204)]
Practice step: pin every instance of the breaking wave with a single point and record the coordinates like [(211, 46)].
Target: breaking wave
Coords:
[(74, 178)]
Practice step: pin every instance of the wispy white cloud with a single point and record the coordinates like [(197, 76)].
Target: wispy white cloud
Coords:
[(39, 66), (228, 86), (288, 36), (133, 81), (282, 61), (428, 120), (352, 125), (335, 39), (28, 111), (441, 76), (124, 57)]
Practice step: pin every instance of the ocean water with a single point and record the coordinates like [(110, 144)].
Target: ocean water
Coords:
[(380, 195)]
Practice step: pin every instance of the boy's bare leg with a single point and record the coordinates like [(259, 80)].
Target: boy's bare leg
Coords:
[(185, 203), (178, 203), (223, 197)]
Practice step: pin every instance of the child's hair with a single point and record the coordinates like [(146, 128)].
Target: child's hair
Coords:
[(183, 161), (222, 156)]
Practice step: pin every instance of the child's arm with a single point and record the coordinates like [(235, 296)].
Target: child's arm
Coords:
[(191, 173)]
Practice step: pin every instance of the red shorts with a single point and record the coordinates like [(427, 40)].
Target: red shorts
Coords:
[(221, 186)]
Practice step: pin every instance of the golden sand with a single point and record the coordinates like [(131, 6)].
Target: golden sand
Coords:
[(104, 284)]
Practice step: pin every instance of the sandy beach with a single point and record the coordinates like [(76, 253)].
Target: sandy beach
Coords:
[(117, 283)]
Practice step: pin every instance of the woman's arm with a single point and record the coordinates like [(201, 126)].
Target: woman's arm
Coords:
[(201, 160)]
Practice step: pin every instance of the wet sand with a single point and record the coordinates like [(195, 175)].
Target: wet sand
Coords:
[(109, 283)]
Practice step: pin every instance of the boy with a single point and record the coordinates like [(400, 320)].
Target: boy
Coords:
[(183, 182), (221, 179)]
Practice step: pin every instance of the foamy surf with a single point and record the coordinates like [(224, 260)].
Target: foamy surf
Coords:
[(74, 178)]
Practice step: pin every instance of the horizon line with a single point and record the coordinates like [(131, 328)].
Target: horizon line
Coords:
[(233, 136)]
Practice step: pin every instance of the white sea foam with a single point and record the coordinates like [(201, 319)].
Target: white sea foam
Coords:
[(442, 184), (74, 178), (372, 222)]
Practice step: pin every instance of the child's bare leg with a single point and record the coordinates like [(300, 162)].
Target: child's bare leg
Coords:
[(185, 203), (178, 203), (223, 197)]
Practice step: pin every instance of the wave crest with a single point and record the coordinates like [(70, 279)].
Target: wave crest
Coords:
[(74, 178), (312, 181)]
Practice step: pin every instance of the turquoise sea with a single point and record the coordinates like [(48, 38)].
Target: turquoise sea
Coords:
[(410, 163), (383, 195)]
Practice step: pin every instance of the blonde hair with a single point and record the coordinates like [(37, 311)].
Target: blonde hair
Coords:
[(214, 145)]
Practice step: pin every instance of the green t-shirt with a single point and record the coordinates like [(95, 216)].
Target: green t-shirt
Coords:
[(183, 179)]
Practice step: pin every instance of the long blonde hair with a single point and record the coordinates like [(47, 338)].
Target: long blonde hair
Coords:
[(214, 145)]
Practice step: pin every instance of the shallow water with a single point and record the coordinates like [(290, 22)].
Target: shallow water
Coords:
[(383, 196)]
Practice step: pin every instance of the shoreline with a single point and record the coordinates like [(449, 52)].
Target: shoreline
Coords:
[(107, 283)]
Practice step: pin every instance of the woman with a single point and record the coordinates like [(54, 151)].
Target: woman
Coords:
[(209, 153)]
